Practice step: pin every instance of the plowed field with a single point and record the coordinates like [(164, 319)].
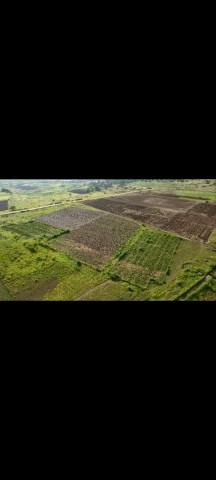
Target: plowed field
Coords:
[(95, 242), (187, 219)]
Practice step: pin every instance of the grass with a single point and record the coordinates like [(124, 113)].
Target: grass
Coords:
[(207, 291), (212, 238), (33, 229), (147, 257), (188, 269), (74, 285), (120, 291), (31, 271)]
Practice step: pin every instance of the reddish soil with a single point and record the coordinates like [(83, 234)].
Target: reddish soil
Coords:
[(187, 219)]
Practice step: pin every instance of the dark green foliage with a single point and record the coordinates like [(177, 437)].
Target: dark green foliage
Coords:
[(114, 277), (31, 248), (122, 255)]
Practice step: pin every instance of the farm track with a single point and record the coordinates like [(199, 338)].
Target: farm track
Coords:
[(82, 297), (34, 208), (194, 287)]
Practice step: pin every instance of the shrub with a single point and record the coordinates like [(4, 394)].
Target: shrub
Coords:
[(31, 248), (114, 277), (122, 255)]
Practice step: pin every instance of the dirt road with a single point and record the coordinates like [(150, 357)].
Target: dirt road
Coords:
[(34, 208), (82, 297)]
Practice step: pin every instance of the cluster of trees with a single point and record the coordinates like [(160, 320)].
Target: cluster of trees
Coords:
[(98, 185), (6, 190)]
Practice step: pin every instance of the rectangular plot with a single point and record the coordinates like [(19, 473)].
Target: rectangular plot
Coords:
[(70, 218), (149, 257), (164, 201), (96, 242)]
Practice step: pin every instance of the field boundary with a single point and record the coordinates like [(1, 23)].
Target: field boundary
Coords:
[(196, 285), (91, 290)]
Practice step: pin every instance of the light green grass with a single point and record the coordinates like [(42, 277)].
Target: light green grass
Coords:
[(212, 238), (34, 229), (29, 270), (207, 291), (115, 291)]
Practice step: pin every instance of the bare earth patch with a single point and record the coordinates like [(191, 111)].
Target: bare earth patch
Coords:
[(70, 218), (166, 212)]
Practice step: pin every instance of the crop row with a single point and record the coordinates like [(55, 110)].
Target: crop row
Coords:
[(148, 258)]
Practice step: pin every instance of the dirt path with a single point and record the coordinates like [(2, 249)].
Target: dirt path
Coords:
[(34, 208), (192, 289), (82, 297)]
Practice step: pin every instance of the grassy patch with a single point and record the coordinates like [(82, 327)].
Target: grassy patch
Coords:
[(212, 238), (147, 257), (120, 291), (34, 229), (31, 271), (207, 291)]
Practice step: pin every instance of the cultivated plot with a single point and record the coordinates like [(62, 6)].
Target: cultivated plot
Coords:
[(173, 214), (70, 218), (96, 242), (147, 258)]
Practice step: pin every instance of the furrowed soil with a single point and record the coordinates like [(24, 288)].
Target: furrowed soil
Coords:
[(70, 218), (95, 242), (173, 214)]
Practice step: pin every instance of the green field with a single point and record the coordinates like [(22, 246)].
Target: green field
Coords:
[(33, 229), (147, 257), (151, 265)]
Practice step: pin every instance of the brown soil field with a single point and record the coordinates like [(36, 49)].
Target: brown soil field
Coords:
[(208, 209), (169, 201), (187, 219), (70, 218), (95, 242)]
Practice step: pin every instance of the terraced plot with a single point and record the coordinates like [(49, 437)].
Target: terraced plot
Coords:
[(96, 242), (147, 258), (70, 218)]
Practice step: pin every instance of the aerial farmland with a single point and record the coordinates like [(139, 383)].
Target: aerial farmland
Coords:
[(121, 240)]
